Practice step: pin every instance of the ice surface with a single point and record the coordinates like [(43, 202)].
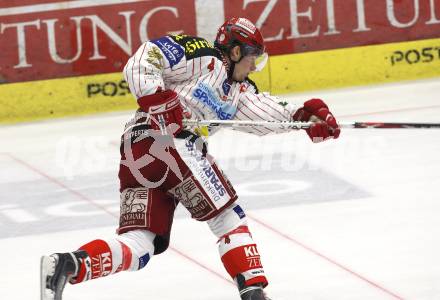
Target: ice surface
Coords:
[(355, 218)]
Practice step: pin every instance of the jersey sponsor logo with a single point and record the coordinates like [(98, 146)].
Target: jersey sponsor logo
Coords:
[(205, 94), (206, 174), (133, 207), (192, 198), (213, 179), (195, 46), (173, 51)]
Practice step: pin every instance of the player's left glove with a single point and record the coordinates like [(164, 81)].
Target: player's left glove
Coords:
[(325, 126), (164, 109)]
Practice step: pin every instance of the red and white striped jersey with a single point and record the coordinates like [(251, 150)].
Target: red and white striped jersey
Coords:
[(195, 70)]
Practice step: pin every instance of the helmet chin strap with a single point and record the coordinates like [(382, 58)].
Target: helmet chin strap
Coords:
[(231, 69), (232, 65), (229, 62)]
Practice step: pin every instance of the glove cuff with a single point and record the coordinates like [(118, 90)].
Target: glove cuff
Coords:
[(301, 115), (164, 109)]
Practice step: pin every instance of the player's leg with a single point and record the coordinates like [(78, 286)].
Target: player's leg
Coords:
[(208, 195), (130, 251), (239, 253), (146, 211), (151, 214)]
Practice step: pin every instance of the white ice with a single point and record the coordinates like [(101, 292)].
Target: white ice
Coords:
[(353, 218)]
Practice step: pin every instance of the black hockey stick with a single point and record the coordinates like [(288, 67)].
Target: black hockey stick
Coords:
[(391, 125)]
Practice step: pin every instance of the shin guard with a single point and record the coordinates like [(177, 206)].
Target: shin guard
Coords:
[(104, 258), (240, 256)]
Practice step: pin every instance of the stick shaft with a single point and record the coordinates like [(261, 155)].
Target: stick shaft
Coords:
[(305, 125), (393, 125)]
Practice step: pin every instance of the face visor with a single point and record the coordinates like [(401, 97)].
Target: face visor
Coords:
[(260, 55)]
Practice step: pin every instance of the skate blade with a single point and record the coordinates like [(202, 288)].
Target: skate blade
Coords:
[(47, 268)]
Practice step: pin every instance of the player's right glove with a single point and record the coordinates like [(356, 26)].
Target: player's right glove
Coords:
[(164, 109), (325, 126)]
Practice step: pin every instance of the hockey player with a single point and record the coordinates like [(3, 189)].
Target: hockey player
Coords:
[(164, 163)]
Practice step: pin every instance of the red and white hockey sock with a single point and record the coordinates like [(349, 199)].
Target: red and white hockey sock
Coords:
[(104, 258), (130, 251), (239, 255)]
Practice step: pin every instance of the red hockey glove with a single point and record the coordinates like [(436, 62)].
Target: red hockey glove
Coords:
[(325, 127), (165, 110)]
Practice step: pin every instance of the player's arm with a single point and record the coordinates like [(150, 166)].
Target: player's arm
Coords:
[(263, 107), (144, 70), (144, 74)]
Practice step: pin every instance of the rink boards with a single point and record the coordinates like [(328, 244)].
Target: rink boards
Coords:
[(65, 58), (285, 73), (352, 66)]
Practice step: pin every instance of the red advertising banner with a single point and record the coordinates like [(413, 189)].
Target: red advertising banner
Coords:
[(13, 3), (292, 26), (53, 40), (43, 39)]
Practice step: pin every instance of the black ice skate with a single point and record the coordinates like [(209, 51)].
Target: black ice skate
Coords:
[(56, 270), (252, 292)]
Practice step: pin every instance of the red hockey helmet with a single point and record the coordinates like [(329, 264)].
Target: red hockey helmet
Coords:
[(240, 32)]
